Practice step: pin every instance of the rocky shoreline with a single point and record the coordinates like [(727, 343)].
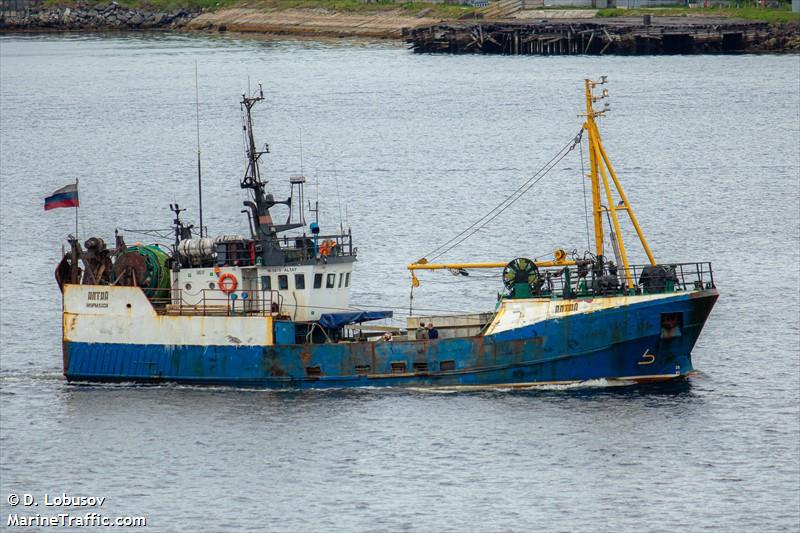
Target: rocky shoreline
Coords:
[(111, 17)]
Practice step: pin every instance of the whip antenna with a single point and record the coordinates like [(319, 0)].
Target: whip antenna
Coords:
[(199, 171)]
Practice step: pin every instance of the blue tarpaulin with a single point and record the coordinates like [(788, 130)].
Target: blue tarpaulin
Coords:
[(337, 320)]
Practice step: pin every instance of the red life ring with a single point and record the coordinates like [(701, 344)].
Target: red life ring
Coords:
[(225, 287)]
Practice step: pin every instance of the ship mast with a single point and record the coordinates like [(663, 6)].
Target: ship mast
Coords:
[(601, 169), (265, 232)]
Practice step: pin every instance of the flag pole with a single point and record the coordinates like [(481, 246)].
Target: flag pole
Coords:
[(76, 208)]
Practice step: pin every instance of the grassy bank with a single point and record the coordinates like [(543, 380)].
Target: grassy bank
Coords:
[(441, 11), (781, 14), (356, 6)]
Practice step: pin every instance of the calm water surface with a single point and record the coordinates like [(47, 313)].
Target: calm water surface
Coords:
[(408, 150)]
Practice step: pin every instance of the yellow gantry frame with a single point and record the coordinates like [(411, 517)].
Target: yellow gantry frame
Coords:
[(599, 168)]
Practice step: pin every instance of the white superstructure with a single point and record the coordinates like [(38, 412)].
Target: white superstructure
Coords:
[(301, 293)]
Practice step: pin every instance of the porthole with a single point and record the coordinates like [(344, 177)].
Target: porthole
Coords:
[(188, 286), (212, 285)]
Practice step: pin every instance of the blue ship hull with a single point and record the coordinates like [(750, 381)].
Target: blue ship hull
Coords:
[(620, 343)]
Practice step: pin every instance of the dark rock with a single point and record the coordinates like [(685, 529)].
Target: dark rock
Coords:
[(93, 16)]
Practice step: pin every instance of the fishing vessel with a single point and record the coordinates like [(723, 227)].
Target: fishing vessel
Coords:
[(272, 309)]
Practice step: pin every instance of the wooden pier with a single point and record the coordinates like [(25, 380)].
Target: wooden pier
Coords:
[(623, 36)]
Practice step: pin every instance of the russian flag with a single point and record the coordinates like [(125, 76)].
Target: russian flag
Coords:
[(64, 197)]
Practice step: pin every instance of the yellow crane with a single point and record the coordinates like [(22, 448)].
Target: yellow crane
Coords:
[(600, 169)]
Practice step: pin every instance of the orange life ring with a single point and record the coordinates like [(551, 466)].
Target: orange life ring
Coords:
[(224, 286), (326, 247)]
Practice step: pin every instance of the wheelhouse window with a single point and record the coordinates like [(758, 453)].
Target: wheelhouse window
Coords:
[(347, 279), (283, 282), (299, 281), (317, 281), (266, 283), (341, 280), (331, 281)]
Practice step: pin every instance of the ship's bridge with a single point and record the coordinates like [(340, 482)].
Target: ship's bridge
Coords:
[(225, 275)]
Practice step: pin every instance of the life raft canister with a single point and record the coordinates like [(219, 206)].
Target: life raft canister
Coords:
[(227, 283)]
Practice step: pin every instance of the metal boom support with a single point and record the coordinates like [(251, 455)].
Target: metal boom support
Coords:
[(601, 168)]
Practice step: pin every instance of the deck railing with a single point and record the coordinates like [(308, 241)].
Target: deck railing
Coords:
[(297, 249), (563, 282), (573, 281), (209, 302), (302, 248)]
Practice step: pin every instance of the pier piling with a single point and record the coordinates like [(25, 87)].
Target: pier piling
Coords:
[(572, 37)]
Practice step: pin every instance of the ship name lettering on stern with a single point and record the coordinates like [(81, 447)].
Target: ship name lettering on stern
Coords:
[(97, 299), (566, 308)]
